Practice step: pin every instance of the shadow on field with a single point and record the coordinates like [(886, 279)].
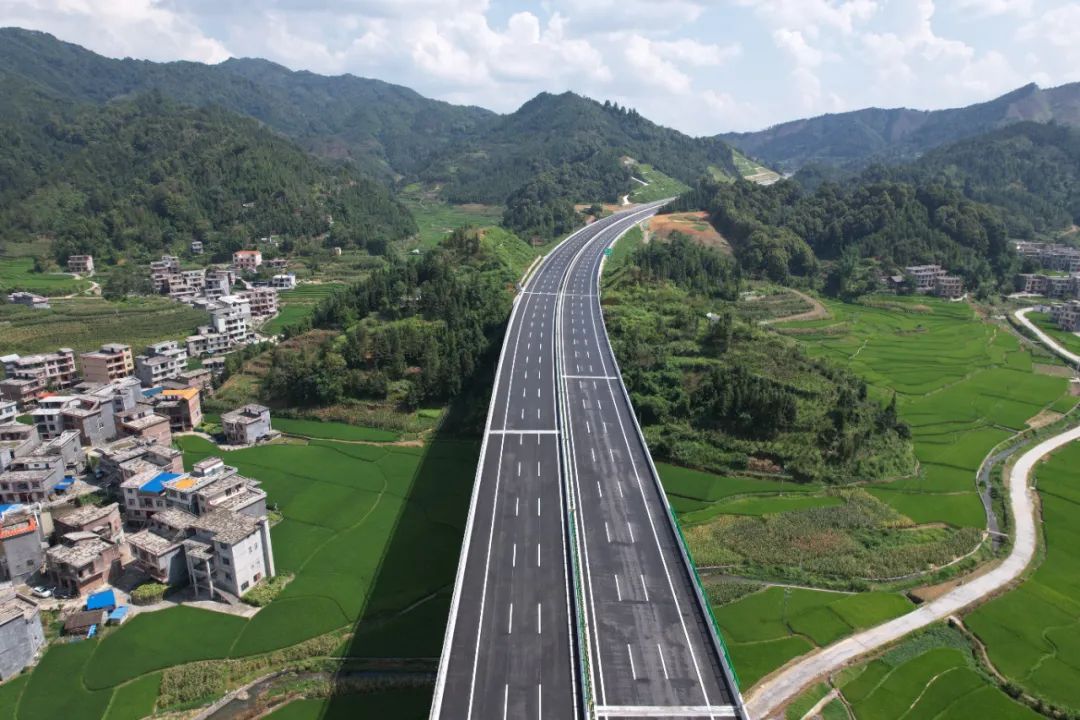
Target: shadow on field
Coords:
[(396, 644)]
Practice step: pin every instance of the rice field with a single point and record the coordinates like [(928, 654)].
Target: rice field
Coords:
[(963, 386), (356, 518), (1032, 634), (17, 273), (930, 676), (85, 323), (764, 630), (298, 304)]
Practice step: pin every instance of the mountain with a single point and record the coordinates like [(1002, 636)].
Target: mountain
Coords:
[(855, 139), (386, 129), (389, 131), (140, 176), (552, 132), (1030, 170)]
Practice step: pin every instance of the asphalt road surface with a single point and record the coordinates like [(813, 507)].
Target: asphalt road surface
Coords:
[(549, 458)]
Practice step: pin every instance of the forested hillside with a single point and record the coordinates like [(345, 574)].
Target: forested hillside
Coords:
[(388, 131), (857, 138), (781, 231), (133, 177), (1030, 170)]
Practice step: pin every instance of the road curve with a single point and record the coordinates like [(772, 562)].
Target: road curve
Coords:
[(1051, 343), (773, 694)]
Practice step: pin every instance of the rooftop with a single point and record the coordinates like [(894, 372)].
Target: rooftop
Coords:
[(151, 542), (141, 423), (186, 393), (226, 526), (246, 414), (88, 514), (84, 551)]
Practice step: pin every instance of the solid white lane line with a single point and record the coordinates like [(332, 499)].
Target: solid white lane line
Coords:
[(539, 700), (506, 698), (663, 663), (630, 653)]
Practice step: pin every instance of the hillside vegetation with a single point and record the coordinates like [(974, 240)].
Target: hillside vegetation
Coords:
[(132, 178)]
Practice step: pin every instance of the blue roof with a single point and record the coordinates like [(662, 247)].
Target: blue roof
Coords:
[(9, 506), (151, 392), (101, 600), (65, 483), (158, 483), (119, 613)]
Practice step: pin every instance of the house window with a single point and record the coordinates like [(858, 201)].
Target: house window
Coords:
[(228, 576), (224, 561), (244, 586)]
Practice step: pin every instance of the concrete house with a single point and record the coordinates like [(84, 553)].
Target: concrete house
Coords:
[(31, 479), (80, 264), (228, 551), (30, 300), (247, 425), (82, 561), (103, 521), (21, 543), (113, 361), (21, 634), (127, 458), (158, 548), (160, 362), (17, 440), (51, 370), (8, 412), (182, 407), (247, 260)]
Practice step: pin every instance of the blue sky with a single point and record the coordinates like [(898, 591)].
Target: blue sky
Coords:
[(702, 66)]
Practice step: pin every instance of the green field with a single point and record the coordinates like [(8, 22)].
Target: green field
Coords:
[(17, 273), (963, 386), (930, 676), (356, 518), (766, 629), (85, 323), (333, 431), (436, 219), (1032, 634), (659, 186), (1070, 341), (297, 304), (751, 169)]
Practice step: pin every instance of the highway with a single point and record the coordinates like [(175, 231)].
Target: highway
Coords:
[(569, 545)]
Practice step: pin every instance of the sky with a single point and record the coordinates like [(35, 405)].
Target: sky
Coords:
[(701, 66)]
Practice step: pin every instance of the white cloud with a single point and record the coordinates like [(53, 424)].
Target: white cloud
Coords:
[(990, 8), (137, 28), (692, 52)]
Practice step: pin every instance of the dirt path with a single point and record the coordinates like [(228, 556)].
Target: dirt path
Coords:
[(784, 686), (817, 311)]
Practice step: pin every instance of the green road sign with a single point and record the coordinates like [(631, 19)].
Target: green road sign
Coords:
[(607, 251)]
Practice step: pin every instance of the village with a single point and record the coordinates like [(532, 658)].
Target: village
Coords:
[(99, 518)]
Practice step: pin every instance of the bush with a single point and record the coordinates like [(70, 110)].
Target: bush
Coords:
[(148, 593), (262, 594), (190, 683)]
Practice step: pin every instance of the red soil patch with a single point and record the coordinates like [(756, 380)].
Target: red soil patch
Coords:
[(694, 225)]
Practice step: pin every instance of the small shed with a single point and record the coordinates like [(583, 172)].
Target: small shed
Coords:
[(104, 600), (80, 623), (119, 615)]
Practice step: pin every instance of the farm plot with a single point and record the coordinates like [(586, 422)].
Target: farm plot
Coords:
[(298, 304), (85, 323), (1032, 634), (765, 630), (17, 273), (930, 676), (658, 187), (356, 517), (962, 385), (333, 430)]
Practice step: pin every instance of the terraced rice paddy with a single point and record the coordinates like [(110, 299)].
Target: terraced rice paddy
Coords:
[(298, 304), (963, 386), (85, 323), (766, 629), (931, 676), (17, 273), (1032, 634), (356, 518)]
